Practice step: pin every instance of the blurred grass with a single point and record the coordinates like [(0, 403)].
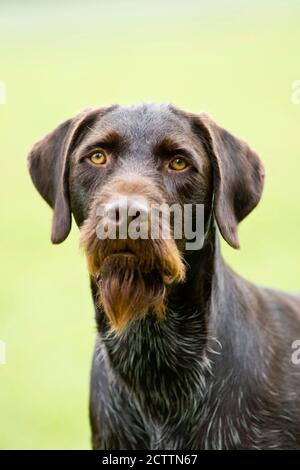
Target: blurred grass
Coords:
[(236, 60)]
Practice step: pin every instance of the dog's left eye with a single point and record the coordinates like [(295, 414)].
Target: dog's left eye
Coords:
[(98, 158), (178, 164)]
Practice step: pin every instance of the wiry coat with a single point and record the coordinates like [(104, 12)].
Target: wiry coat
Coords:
[(214, 370), (213, 375)]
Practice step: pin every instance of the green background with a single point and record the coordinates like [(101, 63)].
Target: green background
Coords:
[(235, 60)]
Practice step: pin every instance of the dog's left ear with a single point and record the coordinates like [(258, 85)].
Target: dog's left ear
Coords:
[(49, 170), (238, 176)]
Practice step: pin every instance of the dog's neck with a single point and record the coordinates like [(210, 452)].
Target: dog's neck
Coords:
[(162, 360)]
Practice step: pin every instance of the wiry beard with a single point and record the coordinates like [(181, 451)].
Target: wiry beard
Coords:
[(132, 275), (126, 292)]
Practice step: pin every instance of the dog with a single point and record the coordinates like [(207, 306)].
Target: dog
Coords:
[(188, 354)]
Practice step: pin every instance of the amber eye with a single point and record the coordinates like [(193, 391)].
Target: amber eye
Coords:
[(98, 158), (178, 164)]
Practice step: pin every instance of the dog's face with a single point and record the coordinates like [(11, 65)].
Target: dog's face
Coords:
[(149, 151), (111, 166)]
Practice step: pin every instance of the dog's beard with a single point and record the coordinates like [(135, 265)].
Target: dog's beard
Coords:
[(132, 275), (126, 292)]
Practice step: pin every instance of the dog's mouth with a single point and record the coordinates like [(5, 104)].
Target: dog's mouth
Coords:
[(122, 252), (131, 275)]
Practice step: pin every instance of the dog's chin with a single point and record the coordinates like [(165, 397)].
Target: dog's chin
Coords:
[(132, 275), (127, 293)]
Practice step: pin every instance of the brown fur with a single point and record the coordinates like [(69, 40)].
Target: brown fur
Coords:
[(217, 372), (132, 283)]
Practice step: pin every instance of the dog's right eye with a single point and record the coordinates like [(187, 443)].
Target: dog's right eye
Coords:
[(98, 158), (178, 164)]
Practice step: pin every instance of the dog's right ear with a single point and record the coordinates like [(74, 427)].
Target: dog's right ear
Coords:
[(49, 169)]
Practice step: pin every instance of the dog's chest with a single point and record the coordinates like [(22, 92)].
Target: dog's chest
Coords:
[(184, 406), (159, 362)]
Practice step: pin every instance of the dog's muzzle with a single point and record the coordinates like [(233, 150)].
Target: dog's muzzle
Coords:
[(131, 268)]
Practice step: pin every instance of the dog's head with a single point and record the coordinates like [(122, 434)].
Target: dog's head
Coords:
[(111, 166)]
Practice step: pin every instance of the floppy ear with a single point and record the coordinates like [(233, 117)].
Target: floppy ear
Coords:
[(49, 169), (238, 177)]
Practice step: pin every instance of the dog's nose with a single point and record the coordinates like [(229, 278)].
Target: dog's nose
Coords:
[(123, 210)]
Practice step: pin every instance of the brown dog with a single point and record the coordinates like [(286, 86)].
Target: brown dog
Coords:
[(188, 354)]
